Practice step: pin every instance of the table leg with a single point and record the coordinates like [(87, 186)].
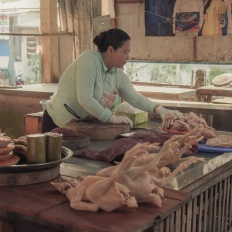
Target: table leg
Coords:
[(206, 98)]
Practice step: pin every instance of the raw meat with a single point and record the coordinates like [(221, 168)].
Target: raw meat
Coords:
[(186, 123), (220, 141), (130, 181), (110, 154), (97, 192), (121, 146)]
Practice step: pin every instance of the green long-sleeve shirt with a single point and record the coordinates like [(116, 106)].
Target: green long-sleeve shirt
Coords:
[(82, 84)]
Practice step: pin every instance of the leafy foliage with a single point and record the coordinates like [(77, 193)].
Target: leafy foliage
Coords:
[(35, 64)]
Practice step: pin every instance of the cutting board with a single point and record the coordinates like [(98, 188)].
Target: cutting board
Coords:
[(98, 130), (75, 143)]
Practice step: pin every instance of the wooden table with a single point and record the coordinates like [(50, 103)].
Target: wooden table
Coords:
[(223, 100), (166, 93), (205, 93), (201, 205), (43, 208)]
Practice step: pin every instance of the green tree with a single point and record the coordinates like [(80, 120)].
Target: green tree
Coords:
[(35, 63)]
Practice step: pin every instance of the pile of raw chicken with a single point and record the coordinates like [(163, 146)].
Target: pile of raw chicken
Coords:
[(140, 176), (185, 123)]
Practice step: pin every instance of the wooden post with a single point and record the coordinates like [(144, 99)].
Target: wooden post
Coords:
[(49, 44)]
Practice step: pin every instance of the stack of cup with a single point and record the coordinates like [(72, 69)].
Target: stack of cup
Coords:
[(53, 146), (42, 148)]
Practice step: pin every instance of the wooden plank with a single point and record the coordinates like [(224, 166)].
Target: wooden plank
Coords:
[(215, 208), (177, 195), (168, 224), (228, 209), (43, 201), (200, 198), (49, 44), (223, 214), (211, 208), (183, 216), (29, 200), (119, 220), (219, 209), (62, 15), (162, 225), (195, 214), (230, 206), (206, 205), (7, 227), (178, 221), (172, 222), (84, 11), (143, 216), (158, 226), (189, 216), (69, 15)]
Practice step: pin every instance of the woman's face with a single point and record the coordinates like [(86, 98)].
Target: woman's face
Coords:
[(120, 55)]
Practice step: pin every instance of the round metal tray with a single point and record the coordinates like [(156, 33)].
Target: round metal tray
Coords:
[(66, 153)]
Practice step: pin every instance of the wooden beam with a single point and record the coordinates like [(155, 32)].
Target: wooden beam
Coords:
[(69, 14), (49, 45), (63, 15)]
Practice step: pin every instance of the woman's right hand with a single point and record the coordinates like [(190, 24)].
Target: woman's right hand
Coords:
[(117, 119), (163, 112)]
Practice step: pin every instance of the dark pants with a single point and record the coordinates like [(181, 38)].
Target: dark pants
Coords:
[(47, 123)]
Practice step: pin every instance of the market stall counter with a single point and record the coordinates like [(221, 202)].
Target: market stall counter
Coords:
[(209, 207), (209, 183), (203, 203), (198, 200)]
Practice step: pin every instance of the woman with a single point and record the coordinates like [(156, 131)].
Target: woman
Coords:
[(92, 85)]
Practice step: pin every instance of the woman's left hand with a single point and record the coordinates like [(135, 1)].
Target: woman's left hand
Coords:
[(116, 119)]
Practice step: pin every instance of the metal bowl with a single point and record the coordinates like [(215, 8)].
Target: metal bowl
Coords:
[(66, 153)]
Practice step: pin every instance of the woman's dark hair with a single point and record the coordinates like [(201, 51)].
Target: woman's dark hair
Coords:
[(114, 37)]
